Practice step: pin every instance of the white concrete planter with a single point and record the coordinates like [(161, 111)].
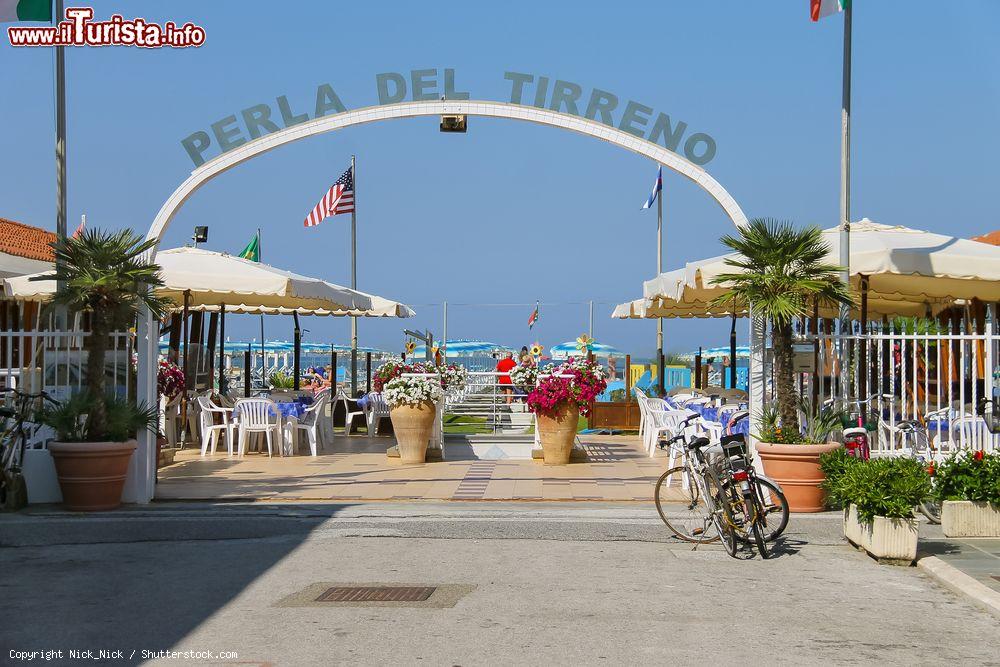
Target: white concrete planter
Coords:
[(885, 539), (40, 477), (965, 518)]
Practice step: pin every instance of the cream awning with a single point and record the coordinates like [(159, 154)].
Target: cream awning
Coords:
[(214, 279), (909, 271)]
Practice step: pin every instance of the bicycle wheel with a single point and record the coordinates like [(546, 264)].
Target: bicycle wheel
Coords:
[(721, 514), (759, 526), (775, 510), (931, 509), (684, 510)]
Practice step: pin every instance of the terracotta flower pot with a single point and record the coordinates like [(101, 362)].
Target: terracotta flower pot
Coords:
[(92, 474), (557, 431), (796, 469), (412, 425)]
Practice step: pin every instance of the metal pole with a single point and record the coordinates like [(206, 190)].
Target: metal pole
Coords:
[(187, 366), (297, 353), (732, 352), (659, 270), (222, 348), (60, 130), (845, 163), (590, 325), (354, 278), (444, 335), (263, 356)]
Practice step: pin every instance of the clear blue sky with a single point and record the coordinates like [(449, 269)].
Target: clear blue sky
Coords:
[(512, 212)]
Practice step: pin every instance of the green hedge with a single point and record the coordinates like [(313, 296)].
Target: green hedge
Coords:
[(879, 487), (969, 476)]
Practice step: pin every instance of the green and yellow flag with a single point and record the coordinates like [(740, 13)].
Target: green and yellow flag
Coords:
[(252, 251)]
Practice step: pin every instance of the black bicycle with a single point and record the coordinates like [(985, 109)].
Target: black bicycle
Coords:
[(17, 428)]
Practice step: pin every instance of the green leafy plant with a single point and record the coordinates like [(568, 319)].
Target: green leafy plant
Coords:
[(770, 429), (834, 465), (821, 422), (109, 276), (780, 272), (969, 476), (889, 487), (282, 380), (73, 419)]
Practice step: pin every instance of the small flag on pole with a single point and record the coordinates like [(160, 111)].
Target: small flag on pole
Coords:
[(821, 8), (252, 251), (534, 316), (25, 10), (338, 199), (81, 228), (657, 187)]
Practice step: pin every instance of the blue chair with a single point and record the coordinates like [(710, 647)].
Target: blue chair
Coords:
[(644, 382)]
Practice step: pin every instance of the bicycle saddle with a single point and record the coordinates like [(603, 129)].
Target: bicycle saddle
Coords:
[(698, 443)]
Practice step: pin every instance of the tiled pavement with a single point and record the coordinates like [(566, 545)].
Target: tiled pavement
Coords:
[(356, 468), (978, 557)]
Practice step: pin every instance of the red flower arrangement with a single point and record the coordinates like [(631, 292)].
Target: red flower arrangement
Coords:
[(578, 381), (977, 455), (170, 380)]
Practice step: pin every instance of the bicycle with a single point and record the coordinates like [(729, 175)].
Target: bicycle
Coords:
[(729, 490), (14, 436)]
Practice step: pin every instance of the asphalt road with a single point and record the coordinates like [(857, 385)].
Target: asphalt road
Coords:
[(517, 584)]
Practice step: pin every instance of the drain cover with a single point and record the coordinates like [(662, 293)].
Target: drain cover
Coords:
[(376, 594)]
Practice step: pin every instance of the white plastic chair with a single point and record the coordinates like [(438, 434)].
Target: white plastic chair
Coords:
[(350, 415), (210, 431), (255, 416), (663, 422), (311, 424), (376, 409)]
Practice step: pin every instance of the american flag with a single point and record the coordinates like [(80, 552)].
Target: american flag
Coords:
[(339, 199)]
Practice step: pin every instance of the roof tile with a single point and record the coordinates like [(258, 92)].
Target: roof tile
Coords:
[(17, 238)]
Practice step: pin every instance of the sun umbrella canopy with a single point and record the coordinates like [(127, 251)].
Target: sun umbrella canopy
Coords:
[(244, 286), (908, 271), (742, 352), (464, 348), (572, 349)]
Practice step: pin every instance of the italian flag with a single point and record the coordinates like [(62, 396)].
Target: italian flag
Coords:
[(25, 10), (820, 8)]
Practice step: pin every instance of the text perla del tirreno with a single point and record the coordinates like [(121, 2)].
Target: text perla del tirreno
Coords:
[(542, 92)]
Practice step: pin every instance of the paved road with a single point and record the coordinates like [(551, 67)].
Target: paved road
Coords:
[(530, 583)]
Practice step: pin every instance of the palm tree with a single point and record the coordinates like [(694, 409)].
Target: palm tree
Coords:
[(109, 276), (781, 273)]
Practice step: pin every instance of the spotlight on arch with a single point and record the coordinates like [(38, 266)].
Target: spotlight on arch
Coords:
[(454, 124)]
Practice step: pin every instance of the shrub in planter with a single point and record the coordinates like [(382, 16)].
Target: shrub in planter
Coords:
[(451, 376), (834, 465), (411, 402), (968, 486), (880, 495), (107, 275), (559, 400)]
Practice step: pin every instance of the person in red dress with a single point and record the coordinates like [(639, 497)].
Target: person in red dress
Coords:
[(504, 366)]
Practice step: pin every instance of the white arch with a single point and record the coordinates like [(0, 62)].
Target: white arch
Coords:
[(142, 468), (252, 149)]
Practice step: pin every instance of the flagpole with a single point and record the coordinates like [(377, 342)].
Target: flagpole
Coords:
[(263, 356), (60, 75), (845, 162), (659, 270), (354, 278)]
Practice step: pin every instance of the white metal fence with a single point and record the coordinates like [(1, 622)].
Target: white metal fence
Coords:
[(913, 372)]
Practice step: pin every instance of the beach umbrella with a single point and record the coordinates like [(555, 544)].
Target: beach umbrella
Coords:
[(573, 348), (214, 278), (742, 352), (908, 271), (463, 348)]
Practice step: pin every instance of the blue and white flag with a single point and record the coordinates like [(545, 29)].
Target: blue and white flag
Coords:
[(657, 187)]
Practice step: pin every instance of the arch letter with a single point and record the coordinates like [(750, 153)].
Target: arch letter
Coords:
[(671, 137), (195, 145), (228, 137), (257, 117), (327, 100), (564, 92), (382, 83), (423, 82), (601, 102), (517, 85), (692, 143), (631, 117)]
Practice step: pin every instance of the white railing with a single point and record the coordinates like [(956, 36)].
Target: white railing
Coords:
[(55, 362), (936, 379)]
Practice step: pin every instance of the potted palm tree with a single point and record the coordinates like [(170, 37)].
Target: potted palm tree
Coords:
[(780, 272), (109, 277)]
